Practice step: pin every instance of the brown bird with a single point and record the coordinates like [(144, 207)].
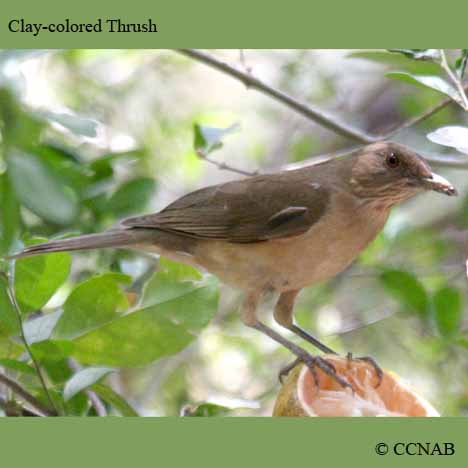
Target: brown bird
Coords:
[(277, 232)]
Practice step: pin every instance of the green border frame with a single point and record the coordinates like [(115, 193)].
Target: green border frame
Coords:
[(235, 441)]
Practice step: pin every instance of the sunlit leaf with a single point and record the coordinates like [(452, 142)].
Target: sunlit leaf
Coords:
[(17, 366), (39, 189), (76, 124), (111, 397), (150, 333), (407, 289), (432, 55), (40, 328), (209, 139), (453, 136), (91, 304), (434, 82), (397, 60), (171, 281), (53, 350), (448, 310), (38, 278), (83, 379)]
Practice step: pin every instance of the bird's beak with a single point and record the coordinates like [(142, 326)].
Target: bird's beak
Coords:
[(439, 184)]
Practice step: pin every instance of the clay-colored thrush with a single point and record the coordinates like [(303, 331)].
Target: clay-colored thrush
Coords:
[(277, 232)]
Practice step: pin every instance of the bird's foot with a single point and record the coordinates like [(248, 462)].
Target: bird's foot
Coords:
[(314, 362), (371, 361)]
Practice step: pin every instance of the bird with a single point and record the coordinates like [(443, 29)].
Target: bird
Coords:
[(278, 232)]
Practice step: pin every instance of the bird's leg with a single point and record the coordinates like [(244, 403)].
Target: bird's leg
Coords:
[(249, 308), (284, 316)]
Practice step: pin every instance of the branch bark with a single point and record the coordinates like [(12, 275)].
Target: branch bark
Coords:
[(250, 81), (26, 396)]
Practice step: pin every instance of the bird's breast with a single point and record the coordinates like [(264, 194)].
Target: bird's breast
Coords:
[(293, 263)]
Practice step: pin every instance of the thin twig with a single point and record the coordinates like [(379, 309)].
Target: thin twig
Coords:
[(223, 166), (12, 297), (13, 408), (26, 396), (308, 111), (444, 64), (244, 62)]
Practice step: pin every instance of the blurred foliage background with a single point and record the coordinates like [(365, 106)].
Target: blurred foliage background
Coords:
[(90, 136)]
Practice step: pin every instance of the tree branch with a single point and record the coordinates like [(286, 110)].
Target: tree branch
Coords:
[(316, 115), (26, 396), (14, 409), (223, 166), (306, 110)]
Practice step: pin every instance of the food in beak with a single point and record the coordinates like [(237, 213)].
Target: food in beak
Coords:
[(440, 184)]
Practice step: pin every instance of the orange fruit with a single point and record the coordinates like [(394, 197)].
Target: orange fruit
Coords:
[(299, 396)]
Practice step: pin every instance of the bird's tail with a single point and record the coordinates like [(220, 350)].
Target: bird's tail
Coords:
[(113, 238)]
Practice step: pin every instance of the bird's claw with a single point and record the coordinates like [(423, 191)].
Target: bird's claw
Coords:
[(371, 361), (312, 362)]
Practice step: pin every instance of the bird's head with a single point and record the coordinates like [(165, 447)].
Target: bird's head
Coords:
[(391, 173)]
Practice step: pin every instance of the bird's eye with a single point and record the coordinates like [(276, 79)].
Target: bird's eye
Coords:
[(392, 161)]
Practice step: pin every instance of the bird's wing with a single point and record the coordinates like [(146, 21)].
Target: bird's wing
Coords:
[(251, 210)]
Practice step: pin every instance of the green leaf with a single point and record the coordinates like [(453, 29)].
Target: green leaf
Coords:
[(432, 55), (463, 341), (8, 318), (91, 304), (18, 366), (206, 410), (131, 196), (76, 124), (448, 311), (40, 328), (66, 165), (434, 82), (406, 289), (38, 278), (114, 399), (171, 281), (460, 64), (150, 333), (208, 139), (39, 188), (452, 136), (397, 60), (52, 350), (9, 214), (83, 379)]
